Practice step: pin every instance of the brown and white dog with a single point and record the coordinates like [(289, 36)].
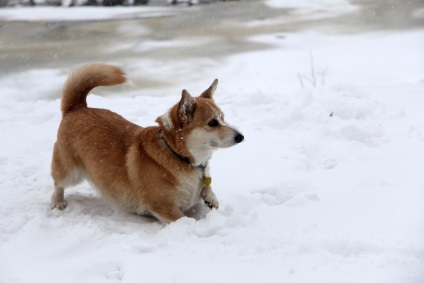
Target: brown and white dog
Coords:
[(160, 171)]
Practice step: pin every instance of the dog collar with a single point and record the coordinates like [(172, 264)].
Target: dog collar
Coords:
[(207, 180), (182, 158)]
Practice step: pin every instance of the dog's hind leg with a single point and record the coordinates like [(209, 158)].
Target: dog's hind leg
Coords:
[(58, 174), (58, 200), (73, 178), (63, 176)]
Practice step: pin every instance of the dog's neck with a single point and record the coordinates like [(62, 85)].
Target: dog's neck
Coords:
[(181, 154), (180, 157)]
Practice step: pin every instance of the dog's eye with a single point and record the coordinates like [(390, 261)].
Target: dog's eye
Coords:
[(213, 123)]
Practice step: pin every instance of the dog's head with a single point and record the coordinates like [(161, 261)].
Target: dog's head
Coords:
[(195, 127)]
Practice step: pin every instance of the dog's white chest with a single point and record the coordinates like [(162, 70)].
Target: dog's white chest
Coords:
[(189, 190)]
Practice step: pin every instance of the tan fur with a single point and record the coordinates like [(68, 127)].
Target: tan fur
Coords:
[(151, 171)]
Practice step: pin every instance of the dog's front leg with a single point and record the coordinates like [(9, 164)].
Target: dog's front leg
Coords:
[(167, 215), (209, 197)]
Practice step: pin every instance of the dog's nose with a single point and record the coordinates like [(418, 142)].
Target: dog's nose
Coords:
[(239, 138)]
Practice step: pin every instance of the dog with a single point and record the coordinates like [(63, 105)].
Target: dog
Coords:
[(160, 171)]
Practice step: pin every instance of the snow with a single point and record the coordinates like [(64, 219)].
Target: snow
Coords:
[(315, 9), (327, 186)]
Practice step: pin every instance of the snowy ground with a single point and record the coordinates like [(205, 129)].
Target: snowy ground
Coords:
[(327, 187)]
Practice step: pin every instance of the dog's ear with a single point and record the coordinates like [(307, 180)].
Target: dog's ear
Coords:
[(186, 107), (211, 90)]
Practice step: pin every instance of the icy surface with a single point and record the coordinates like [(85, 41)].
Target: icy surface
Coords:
[(80, 13), (316, 9), (328, 185)]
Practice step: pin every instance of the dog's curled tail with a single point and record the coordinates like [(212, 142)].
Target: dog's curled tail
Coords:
[(84, 79)]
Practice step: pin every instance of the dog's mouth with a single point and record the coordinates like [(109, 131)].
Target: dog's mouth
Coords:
[(214, 144), (224, 144)]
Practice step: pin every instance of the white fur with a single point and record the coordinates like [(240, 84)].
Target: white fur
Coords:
[(206, 171), (189, 193), (167, 121), (73, 179), (221, 120), (209, 196), (58, 200), (202, 155), (199, 145)]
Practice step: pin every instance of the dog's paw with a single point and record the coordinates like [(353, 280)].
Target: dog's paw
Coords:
[(211, 200), (61, 205)]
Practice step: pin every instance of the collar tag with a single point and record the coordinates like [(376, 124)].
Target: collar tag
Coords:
[(207, 180)]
